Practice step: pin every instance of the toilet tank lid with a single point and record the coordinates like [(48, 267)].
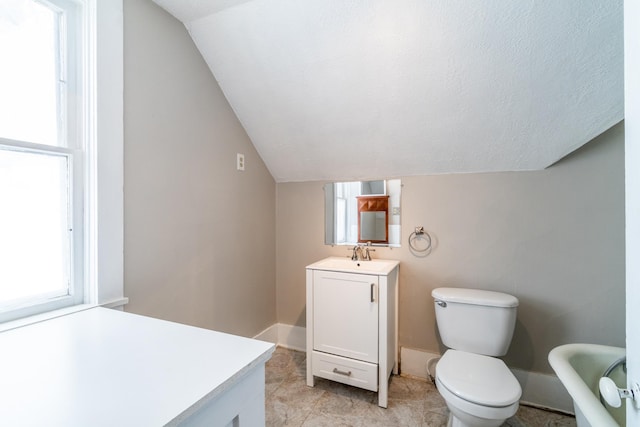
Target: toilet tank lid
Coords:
[(475, 296)]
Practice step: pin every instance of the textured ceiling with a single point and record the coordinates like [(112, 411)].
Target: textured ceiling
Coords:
[(339, 89)]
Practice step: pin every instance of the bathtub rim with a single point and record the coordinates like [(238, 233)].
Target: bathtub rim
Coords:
[(582, 395)]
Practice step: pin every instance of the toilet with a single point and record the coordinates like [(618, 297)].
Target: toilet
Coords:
[(476, 326)]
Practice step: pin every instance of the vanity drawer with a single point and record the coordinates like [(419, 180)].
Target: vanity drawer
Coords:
[(346, 371)]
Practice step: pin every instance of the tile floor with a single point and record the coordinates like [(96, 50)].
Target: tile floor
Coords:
[(412, 402)]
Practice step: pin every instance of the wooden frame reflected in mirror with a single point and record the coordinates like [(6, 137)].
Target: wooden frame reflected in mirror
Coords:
[(373, 219)]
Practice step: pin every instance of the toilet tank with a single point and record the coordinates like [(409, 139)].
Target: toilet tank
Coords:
[(474, 320)]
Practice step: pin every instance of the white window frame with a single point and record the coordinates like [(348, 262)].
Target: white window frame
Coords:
[(107, 222), (69, 60), (101, 129)]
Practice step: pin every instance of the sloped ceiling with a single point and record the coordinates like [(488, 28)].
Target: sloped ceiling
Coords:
[(355, 89)]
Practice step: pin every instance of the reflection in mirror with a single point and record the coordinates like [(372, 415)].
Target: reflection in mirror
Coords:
[(373, 227), (372, 219), (373, 188), (342, 216)]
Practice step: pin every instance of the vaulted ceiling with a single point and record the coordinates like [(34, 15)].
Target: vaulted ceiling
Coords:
[(355, 89)]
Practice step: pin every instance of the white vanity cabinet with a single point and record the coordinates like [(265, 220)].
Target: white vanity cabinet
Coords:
[(352, 323)]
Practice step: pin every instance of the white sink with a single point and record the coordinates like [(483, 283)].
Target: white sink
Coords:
[(345, 264)]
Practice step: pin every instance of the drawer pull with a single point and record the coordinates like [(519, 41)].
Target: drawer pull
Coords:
[(373, 285), (338, 371)]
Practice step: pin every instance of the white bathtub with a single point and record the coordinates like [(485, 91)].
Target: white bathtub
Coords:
[(579, 367)]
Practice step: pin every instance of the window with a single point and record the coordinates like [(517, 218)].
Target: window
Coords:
[(346, 219), (44, 145)]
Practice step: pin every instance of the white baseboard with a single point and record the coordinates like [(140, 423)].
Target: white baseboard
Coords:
[(414, 362), (269, 335), (293, 337), (541, 390), (288, 336)]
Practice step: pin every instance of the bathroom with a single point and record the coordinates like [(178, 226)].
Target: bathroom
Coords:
[(210, 246), (554, 237)]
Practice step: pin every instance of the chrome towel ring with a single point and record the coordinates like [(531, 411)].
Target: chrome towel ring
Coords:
[(419, 234)]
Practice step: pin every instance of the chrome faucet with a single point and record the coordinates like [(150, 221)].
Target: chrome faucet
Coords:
[(367, 250), (360, 253)]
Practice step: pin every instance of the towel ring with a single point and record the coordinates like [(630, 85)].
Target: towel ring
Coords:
[(417, 234)]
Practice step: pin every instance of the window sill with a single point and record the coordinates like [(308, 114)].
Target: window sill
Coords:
[(30, 320)]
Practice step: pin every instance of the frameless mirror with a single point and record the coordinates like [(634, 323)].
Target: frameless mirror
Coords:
[(363, 211)]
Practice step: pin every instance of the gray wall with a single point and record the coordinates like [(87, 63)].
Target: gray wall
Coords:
[(199, 235), (201, 246), (553, 238)]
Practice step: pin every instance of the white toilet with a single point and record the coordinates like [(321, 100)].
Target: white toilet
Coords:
[(476, 326)]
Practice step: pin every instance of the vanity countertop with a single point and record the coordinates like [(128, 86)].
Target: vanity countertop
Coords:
[(346, 265), (103, 367)]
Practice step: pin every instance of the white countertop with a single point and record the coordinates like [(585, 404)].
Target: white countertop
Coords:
[(103, 367), (375, 266)]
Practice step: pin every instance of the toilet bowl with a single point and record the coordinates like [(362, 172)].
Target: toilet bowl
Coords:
[(476, 326), (479, 390)]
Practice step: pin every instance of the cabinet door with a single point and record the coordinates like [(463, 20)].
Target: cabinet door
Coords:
[(345, 314)]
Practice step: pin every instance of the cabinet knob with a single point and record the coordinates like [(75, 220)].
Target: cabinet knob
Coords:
[(373, 285)]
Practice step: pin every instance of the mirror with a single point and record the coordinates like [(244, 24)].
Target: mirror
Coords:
[(373, 224), (363, 211), (373, 227)]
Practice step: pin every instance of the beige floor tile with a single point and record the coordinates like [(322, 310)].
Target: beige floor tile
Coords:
[(412, 402)]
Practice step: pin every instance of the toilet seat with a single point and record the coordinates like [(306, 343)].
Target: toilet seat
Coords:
[(457, 405), (477, 379)]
